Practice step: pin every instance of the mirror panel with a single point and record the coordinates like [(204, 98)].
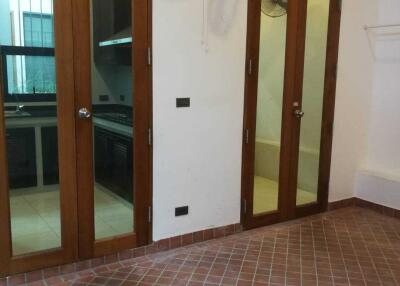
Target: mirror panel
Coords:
[(269, 110), (312, 102)]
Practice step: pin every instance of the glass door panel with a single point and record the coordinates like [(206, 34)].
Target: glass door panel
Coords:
[(269, 108), (312, 100), (111, 69), (28, 62)]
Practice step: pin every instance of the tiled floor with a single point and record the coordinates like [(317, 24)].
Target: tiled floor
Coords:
[(351, 246), (113, 215), (266, 195), (35, 218)]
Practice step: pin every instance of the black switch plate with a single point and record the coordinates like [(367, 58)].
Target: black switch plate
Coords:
[(183, 102), (181, 211)]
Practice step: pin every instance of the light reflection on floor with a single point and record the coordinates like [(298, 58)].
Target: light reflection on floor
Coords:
[(266, 195), (35, 218)]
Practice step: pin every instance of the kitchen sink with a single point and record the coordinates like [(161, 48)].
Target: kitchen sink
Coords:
[(13, 113)]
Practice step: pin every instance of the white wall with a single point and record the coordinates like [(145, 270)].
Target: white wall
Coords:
[(197, 151), (378, 187), (378, 179), (366, 155), (384, 134), (353, 97)]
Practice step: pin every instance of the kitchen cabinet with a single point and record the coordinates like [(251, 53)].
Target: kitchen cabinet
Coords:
[(106, 25), (21, 157), (114, 171), (50, 155)]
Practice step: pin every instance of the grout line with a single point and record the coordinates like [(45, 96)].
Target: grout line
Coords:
[(197, 265), (327, 249), (272, 258), (341, 252), (301, 256), (226, 266), (383, 255), (258, 259), (313, 247), (244, 259)]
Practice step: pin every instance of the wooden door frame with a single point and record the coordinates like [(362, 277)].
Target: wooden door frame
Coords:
[(66, 132), (142, 152), (250, 115), (294, 69)]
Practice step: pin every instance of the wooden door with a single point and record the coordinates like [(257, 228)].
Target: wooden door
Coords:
[(278, 47), (38, 221), (113, 124), (316, 94)]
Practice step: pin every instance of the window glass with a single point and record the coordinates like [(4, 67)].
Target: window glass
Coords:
[(30, 72)]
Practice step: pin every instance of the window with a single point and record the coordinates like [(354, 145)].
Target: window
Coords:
[(39, 71), (30, 73), (29, 62), (38, 30)]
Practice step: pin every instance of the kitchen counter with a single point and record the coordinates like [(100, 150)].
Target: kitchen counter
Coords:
[(112, 118), (122, 129)]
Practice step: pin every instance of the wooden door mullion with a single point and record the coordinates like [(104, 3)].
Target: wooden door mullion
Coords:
[(295, 81), (5, 225)]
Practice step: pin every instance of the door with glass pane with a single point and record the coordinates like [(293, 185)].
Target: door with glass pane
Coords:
[(113, 123), (38, 220), (289, 91), (317, 94)]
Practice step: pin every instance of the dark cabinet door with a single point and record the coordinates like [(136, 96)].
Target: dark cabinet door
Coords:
[(50, 155), (103, 164), (21, 157), (114, 171), (122, 168)]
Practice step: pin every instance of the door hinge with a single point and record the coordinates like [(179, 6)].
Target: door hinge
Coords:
[(150, 137), (250, 67), (244, 206), (246, 136), (150, 214), (149, 56)]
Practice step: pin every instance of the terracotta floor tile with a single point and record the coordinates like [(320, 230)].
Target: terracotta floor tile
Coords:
[(350, 246)]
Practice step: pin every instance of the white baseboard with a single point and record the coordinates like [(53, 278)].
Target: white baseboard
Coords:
[(382, 189)]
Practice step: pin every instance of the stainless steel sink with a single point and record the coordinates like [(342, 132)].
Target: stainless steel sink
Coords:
[(13, 113)]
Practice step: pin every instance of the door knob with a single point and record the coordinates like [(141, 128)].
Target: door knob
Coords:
[(298, 113), (84, 113)]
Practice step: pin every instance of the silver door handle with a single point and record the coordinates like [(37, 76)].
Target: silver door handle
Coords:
[(84, 113), (298, 113)]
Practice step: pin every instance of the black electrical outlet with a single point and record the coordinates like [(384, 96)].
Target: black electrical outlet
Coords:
[(181, 211), (183, 102), (122, 97), (103, 97)]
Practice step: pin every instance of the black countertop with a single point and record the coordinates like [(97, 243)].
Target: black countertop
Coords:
[(112, 112)]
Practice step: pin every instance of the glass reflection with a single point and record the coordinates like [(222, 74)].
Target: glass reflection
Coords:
[(269, 108), (27, 49), (313, 93), (112, 117)]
